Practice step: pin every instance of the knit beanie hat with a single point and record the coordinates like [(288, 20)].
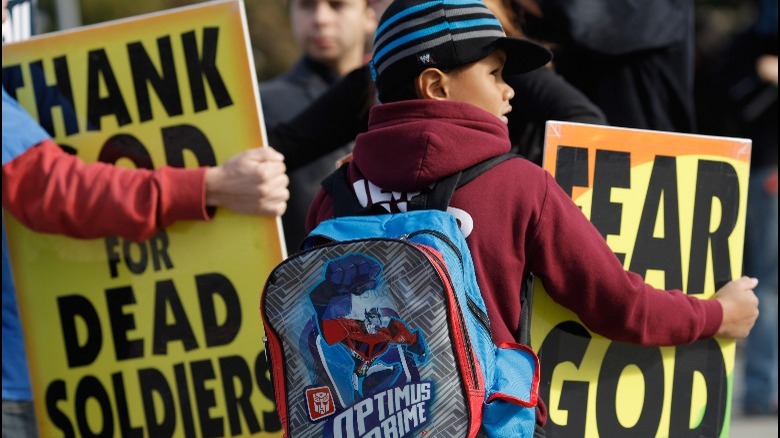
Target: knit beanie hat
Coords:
[(414, 35)]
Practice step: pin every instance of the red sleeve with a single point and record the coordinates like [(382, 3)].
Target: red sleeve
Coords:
[(610, 301), (51, 191)]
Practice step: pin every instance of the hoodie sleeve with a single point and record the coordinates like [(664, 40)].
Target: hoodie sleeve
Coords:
[(51, 191), (581, 273)]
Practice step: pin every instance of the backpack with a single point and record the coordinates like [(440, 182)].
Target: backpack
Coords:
[(377, 328)]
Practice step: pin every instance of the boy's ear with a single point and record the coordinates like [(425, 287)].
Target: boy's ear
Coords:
[(432, 83)]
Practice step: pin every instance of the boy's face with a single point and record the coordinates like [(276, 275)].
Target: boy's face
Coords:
[(482, 84), (333, 32)]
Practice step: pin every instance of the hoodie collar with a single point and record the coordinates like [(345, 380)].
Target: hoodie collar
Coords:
[(411, 144)]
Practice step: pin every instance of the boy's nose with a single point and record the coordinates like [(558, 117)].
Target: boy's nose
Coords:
[(509, 92)]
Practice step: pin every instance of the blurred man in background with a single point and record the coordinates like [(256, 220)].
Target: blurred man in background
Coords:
[(333, 35)]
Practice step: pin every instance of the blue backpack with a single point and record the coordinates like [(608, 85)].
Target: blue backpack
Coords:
[(378, 329)]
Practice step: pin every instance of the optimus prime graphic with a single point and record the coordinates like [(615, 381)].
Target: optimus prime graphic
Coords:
[(359, 345)]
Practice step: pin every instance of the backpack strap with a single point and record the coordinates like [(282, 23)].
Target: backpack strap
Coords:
[(439, 197), (345, 202), (343, 197), (523, 334)]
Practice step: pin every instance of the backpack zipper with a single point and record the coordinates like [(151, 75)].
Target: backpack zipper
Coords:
[(271, 342), (481, 316), (431, 256), (443, 237)]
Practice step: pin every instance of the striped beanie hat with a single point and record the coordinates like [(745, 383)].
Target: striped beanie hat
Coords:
[(414, 35)]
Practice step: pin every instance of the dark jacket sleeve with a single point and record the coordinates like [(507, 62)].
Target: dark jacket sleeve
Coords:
[(331, 121)]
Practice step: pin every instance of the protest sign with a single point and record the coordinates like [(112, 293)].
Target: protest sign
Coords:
[(672, 209), (162, 337)]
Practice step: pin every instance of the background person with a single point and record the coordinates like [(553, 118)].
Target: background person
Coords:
[(333, 35)]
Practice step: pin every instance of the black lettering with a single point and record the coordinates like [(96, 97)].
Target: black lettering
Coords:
[(204, 65), (12, 79), (159, 246), (144, 73), (715, 179), (263, 379), (574, 395), (136, 254), (209, 286), (71, 307), (90, 388), (125, 146), (660, 253), (152, 382), (113, 103), (136, 266), (619, 355), (120, 397), (704, 357), (112, 255), (180, 330), (49, 96), (613, 170), (235, 368), (68, 149), (571, 168), (121, 323), (177, 139), (203, 371), (56, 392), (184, 400)]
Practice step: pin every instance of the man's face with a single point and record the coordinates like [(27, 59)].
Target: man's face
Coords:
[(333, 32), (5, 11)]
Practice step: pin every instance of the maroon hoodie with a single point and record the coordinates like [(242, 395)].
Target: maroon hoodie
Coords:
[(516, 220)]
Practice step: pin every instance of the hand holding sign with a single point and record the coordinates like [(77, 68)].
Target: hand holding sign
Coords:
[(740, 307), (251, 182)]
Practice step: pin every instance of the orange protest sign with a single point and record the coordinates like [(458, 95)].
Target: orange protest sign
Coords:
[(672, 209)]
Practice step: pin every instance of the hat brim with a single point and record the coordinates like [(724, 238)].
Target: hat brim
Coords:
[(522, 55)]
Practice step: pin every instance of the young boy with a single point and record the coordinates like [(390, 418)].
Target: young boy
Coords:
[(438, 69)]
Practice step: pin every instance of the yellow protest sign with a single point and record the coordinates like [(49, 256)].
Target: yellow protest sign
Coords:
[(163, 337), (672, 208)]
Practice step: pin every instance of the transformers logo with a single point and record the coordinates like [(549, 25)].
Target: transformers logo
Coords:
[(320, 402)]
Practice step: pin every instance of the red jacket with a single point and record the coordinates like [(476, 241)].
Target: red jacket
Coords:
[(516, 220), (52, 192)]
